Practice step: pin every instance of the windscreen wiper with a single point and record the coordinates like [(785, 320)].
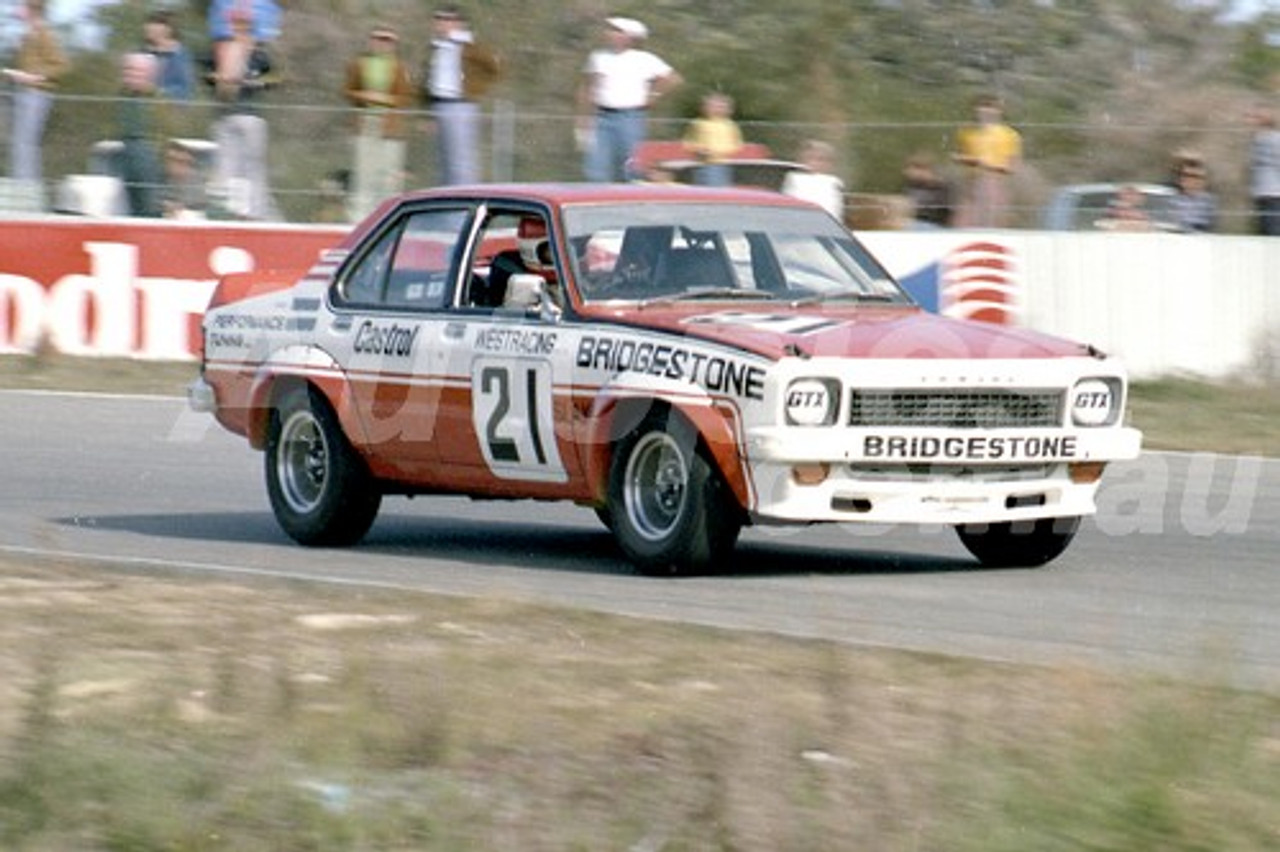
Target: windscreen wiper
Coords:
[(841, 296), (708, 294)]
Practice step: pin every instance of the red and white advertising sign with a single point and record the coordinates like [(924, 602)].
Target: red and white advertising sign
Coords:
[(130, 288)]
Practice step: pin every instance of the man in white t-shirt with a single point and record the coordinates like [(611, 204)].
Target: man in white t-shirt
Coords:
[(620, 83), (819, 185)]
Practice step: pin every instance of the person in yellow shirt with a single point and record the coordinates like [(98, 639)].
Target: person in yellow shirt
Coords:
[(714, 138), (991, 151), (379, 85)]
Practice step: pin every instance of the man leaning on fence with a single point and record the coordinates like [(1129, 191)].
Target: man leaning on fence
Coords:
[(459, 72), (379, 86), (241, 70), (620, 84), (1264, 169), (39, 63)]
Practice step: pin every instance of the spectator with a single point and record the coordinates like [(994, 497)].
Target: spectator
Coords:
[(334, 189), (713, 139), (459, 73), (183, 196), (378, 85), (1264, 170), (1127, 211), (991, 151), (240, 71), (38, 65), (175, 77), (1195, 209), (265, 15), (139, 162), (927, 190), (620, 84), (818, 185)]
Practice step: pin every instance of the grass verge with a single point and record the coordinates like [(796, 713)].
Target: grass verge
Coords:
[(149, 713), (1224, 417)]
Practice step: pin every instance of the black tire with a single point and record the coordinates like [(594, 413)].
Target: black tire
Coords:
[(320, 489), (602, 513), (1019, 544), (670, 509)]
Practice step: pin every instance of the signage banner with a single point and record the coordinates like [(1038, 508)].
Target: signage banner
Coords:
[(128, 288)]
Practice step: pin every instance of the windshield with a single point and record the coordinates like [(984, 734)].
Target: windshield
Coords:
[(675, 252)]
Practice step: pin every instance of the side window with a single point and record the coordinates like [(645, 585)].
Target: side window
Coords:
[(364, 285), (496, 258), (511, 242), (409, 266)]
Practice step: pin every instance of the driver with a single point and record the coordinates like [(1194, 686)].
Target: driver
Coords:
[(534, 245)]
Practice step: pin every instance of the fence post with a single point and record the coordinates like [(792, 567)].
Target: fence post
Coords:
[(503, 135)]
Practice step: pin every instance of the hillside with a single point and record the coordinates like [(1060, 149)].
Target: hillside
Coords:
[(1101, 89)]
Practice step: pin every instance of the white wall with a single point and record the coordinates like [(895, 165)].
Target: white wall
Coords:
[(1165, 303)]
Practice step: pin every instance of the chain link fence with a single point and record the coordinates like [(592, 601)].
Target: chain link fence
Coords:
[(310, 153)]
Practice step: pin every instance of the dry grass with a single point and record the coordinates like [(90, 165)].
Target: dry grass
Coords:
[(143, 712), (1227, 417), (96, 375)]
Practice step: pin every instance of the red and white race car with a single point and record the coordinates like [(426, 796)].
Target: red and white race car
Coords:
[(685, 361)]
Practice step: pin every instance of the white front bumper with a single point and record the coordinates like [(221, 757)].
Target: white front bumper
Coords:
[(928, 476)]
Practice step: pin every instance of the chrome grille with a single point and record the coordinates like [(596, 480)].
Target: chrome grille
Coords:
[(957, 409)]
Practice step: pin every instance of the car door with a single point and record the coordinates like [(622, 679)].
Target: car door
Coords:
[(389, 314), (506, 408)]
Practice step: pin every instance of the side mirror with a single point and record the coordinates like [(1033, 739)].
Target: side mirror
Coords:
[(528, 293)]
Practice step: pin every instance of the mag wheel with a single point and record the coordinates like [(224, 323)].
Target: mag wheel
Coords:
[(1019, 544), (320, 490), (670, 510)]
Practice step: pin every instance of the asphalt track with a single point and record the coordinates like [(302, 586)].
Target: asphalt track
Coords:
[(1178, 574)]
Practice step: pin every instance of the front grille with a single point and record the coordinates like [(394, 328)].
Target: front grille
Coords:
[(957, 409), (949, 472)]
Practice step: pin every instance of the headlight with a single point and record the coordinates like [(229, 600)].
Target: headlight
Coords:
[(812, 402), (1096, 402)]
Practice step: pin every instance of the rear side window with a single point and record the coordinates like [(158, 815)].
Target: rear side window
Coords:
[(408, 266)]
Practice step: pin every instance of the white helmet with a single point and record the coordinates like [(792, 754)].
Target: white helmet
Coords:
[(535, 247)]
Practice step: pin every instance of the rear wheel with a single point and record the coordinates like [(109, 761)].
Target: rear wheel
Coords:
[(320, 489), (1019, 544), (670, 510)]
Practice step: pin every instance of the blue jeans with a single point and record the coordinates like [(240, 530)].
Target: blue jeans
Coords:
[(618, 132), (30, 112), (715, 174), (457, 141), (241, 165)]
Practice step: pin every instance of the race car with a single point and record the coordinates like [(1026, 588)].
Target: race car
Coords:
[(684, 361)]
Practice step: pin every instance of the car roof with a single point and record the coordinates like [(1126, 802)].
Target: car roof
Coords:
[(560, 194)]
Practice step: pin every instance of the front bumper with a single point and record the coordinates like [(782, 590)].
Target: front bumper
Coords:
[(202, 397), (924, 476)]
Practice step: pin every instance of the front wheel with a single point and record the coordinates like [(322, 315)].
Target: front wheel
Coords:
[(1019, 544), (670, 510), (320, 489)]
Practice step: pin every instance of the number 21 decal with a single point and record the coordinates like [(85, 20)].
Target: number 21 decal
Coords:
[(511, 410)]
